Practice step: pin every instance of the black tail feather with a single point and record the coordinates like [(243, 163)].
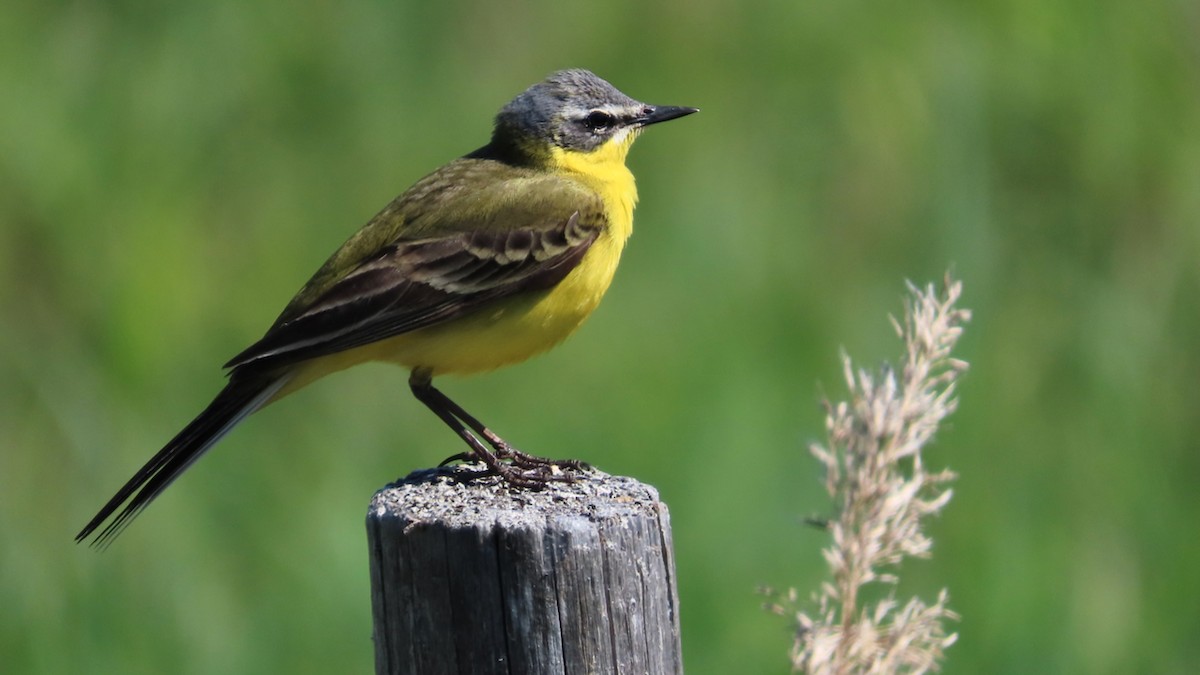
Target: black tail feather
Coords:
[(239, 398)]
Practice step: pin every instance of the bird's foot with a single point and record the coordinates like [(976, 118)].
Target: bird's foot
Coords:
[(519, 469), (527, 461)]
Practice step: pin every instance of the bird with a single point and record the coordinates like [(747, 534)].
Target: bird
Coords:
[(492, 258)]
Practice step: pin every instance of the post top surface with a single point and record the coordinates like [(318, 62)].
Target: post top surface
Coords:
[(442, 495)]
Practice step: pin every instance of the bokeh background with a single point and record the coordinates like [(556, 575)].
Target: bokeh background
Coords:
[(170, 173)]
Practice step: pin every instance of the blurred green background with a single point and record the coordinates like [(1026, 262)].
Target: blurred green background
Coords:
[(171, 173)]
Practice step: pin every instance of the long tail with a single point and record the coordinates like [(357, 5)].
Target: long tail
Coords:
[(241, 397)]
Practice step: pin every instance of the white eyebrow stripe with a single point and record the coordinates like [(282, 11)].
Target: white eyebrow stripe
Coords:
[(616, 110)]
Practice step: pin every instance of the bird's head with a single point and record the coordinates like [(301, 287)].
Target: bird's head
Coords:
[(574, 112)]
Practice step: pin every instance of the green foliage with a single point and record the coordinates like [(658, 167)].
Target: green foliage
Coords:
[(171, 173)]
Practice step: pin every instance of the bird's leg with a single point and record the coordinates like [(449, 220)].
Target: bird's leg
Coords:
[(504, 450), (525, 470)]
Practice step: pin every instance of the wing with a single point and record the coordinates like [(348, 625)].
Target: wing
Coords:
[(415, 283)]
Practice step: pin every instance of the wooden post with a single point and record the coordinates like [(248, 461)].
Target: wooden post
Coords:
[(478, 577)]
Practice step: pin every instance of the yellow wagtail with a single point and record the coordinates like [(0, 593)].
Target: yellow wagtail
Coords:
[(494, 257)]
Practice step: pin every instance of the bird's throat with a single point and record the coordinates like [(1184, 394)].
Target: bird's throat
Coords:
[(604, 171)]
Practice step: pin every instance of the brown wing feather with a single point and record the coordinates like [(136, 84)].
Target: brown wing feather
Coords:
[(417, 283)]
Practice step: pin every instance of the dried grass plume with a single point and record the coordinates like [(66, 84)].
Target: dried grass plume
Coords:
[(882, 492)]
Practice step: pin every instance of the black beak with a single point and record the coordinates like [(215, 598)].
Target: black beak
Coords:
[(661, 113)]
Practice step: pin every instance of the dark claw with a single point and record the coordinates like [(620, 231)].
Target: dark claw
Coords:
[(460, 457)]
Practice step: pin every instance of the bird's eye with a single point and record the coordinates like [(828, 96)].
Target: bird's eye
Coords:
[(598, 121)]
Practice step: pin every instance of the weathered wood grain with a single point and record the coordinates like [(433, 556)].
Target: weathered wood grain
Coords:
[(479, 577)]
